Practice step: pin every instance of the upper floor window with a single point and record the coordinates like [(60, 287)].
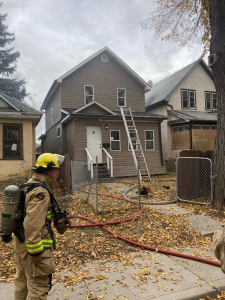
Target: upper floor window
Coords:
[(121, 97), (188, 99), (88, 94), (210, 101), (12, 141)]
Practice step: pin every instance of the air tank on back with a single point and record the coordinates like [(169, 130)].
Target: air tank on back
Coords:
[(10, 209)]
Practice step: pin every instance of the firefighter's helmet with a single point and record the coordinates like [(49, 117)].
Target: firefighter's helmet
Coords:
[(46, 161)]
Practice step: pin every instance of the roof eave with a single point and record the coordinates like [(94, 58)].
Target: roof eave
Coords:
[(51, 92), (146, 86)]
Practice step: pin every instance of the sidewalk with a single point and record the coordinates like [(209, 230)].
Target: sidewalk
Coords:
[(143, 274)]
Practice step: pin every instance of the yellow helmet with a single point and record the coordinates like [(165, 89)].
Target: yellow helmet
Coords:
[(48, 161)]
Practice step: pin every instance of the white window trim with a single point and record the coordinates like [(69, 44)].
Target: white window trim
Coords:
[(150, 140), (121, 97), (188, 92), (115, 140), (134, 144), (190, 100), (216, 102), (90, 95), (211, 101), (52, 115), (58, 136)]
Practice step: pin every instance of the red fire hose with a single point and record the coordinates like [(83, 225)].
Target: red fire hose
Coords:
[(167, 252)]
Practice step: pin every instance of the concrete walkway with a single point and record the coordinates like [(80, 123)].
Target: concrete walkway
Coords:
[(143, 274)]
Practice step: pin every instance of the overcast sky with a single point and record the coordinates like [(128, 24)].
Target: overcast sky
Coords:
[(53, 36)]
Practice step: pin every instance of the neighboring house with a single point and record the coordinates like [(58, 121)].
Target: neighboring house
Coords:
[(38, 148), (188, 99), (82, 111), (17, 137)]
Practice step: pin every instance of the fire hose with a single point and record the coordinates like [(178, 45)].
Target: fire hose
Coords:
[(158, 250)]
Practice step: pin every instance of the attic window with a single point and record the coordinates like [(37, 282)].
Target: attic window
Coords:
[(104, 58), (88, 94), (121, 97)]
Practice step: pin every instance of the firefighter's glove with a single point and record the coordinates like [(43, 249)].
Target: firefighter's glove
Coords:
[(63, 222)]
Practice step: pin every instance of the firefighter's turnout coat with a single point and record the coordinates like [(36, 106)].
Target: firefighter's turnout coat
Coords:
[(32, 281)]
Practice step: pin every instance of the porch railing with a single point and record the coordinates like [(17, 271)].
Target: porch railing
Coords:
[(109, 162), (90, 165)]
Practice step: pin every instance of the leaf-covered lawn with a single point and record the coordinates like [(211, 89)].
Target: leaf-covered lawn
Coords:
[(79, 245)]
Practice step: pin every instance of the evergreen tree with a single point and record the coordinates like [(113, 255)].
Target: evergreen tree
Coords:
[(8, 59)]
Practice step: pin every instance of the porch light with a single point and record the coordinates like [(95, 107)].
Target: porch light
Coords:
[(106, 126)]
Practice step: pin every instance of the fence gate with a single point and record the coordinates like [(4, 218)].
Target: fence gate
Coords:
[(194, 179)]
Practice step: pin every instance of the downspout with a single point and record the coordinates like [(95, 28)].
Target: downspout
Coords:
[(191, 141), (160, 138)]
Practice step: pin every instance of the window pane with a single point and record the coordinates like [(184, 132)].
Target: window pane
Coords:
[(133, 139), (214, 101), (184, 94), (149, 145), (192, 99), (174, 129), (149, 135), (11, 149), (88, 90), (115, 145), (208, 95), (185, 103), (180, 129), (89, 99), (115, 135), (121, 92), (121, 101), (208, 104)]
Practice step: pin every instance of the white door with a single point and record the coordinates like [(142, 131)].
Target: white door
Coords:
[(94, 142)]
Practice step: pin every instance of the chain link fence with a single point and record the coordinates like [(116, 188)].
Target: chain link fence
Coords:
[(194, 179), (94, 186)]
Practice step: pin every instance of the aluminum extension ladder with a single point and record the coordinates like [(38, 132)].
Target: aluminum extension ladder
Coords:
[(134, 141)]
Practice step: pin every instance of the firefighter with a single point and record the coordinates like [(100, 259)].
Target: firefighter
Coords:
[(34, 258)]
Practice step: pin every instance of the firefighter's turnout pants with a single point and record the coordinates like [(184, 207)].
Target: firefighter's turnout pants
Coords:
[(33, 282)]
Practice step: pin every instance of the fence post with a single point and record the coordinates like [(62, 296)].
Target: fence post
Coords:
[(138, 174), (96, 176)]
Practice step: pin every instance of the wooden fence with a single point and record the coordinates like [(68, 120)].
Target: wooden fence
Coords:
[(65, 172), (204, 146)]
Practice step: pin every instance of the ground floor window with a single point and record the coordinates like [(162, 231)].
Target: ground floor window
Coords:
[(115, 140), (12, 141), (149, 139), (133, 139)]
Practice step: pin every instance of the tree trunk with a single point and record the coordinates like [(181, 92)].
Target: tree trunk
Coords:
[(217, 47)]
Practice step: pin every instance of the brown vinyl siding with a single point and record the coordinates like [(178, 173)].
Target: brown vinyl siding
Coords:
[(123, 157), (106, 78), (56, 105), (70, 139), (54, 143), (94, 109)]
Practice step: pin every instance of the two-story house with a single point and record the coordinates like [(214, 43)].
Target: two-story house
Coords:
[(83, 118), (188, 99)]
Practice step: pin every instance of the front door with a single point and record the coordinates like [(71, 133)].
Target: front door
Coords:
[(94, 142)]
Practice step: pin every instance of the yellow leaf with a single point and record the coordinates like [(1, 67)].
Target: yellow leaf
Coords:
[(65, 294)]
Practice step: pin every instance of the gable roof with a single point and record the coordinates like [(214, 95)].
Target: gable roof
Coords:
[(94, 103), (162, 89), (111, 54), (194, 115), (15, 105)]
